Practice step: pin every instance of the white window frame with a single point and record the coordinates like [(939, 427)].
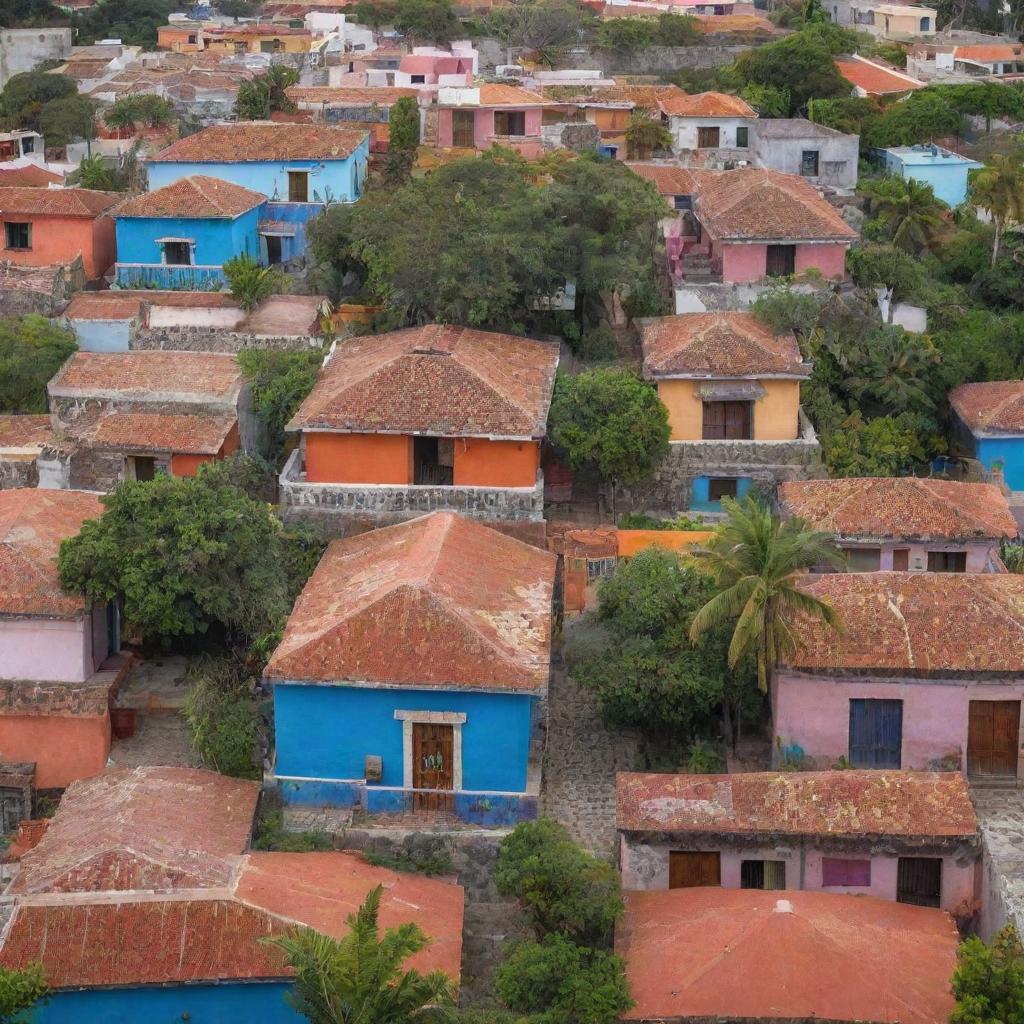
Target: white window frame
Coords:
[(456, 719)]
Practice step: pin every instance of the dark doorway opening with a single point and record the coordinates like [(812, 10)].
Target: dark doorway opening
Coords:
[(781, 260), (919, 881), (432, 461)]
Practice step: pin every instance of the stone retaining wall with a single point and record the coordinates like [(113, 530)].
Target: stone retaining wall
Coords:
[(28, 697), (18, 472), (193, 338)]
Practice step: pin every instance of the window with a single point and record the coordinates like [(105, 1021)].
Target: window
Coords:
[(742, 137), (193, 39), (178, 254), (601, 568), (12, 808), (19, 236), (689, 869), (722, 487), (271, 46), (28, 144), (510, 122), (901, 559), (809, 163), (727, 421), (876, 733), (919, 881), (763, 874), (926, 24), (864, 559), (682, 202), (418, 79), (947, 561), (298, 187), (241, 48), (845, 871), (707, 138)]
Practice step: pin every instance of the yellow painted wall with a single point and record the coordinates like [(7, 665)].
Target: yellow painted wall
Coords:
[(775, 415)]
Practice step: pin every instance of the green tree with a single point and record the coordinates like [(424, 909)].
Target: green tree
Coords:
[(375, 14), (921, 117), (32, 350), (134, 22), (885, 266), (644, 671), (261, 96), (784, 310), (566, 890), (883, 446), (998, 188), (625, 35), (25, 95), (67, 120), (222, 716), (645, 135), (767, 100), (92, 172), (183, 554), (239, 8), (909, 212), (546, 27), (21, 989), (756, 560), (145, 110), (250, 282), (678, 30), (989, 980), (427, 21), (611, 423), (361, 977), (404, 124), (814, 13), (557, 982)]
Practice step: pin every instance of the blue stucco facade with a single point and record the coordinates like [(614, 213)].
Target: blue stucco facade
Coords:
[(226, 1003), (336, 180), (215, 241), (700, 500), (323, 735), (1007, 450), (102, 335), (944, 170)]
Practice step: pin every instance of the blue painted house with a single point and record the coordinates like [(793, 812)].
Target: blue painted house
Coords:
[(300, 168), (943, 169), (180, 236), (409, 673), (160, 909), (989, 426)]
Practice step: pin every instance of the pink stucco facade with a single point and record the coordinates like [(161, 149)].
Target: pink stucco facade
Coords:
[(646, 866), (813, 712), (53, 650), (484, 135), (979, 556), (746, 262)]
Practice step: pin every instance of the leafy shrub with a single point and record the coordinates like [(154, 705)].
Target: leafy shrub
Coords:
[(562, 983), (32, 350), (884, 446), (642, 521), (704, 758), (271, 835), (436, 863), (989, 980), (598, 345), (781, 310), (567, 890), (250, 282), (221, 712)]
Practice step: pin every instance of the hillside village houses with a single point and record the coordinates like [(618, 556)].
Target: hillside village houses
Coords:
[(439, 676)]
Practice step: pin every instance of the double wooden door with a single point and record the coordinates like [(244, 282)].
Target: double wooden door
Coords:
[(688, 869), (433, 765), (726, 421), (993, 733)]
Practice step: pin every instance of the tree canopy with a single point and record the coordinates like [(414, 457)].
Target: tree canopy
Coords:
[(989, 980), (134, 22), (259, 97), (25, 95), (20, 991), (32, 350), (68, 120)]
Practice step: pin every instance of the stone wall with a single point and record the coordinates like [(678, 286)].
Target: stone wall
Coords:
[(27, 697), (192, 338), (579, 136), (18, 471)]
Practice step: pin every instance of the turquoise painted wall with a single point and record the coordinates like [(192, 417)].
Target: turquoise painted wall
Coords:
[(343, 178), (217, 238), (1010, 450), (699, 501), (947, 179), (325, 732), (102, 335), (228, 1003)]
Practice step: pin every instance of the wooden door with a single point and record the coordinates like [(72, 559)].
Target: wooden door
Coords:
[(433, 765), (900, 559), (707, 138), (726, 421), (919, 881), (780, 261), (688, 869), (993, 738), (298, 187), (462, 128), (876, 733)]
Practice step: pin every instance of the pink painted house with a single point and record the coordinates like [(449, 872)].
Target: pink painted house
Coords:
[(481, 116), (926, 674), (755, 223), (906, 523), (905, 836), (55, 675)]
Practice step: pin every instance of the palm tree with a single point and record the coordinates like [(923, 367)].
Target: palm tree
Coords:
[(756, 559), (911, 212), (999, 188), (359, 979)]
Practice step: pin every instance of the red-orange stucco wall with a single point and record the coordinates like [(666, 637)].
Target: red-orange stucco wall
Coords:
[(61, 239), (63, 748), (188, 465), (358, 458), (483, 463)]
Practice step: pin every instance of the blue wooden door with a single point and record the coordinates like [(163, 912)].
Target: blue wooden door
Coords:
[(876, 733)]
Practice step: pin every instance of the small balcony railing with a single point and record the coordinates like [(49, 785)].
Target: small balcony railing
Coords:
[(170, 277)]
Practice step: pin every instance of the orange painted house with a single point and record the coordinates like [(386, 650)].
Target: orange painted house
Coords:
[(57, 666), (46, 226), (437, 408)]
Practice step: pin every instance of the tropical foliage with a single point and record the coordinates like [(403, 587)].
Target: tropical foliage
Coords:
[(32, 350)]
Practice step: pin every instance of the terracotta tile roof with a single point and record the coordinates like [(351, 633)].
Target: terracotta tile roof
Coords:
[(437, 379), (724, 344), (33, 523), (24, 431), (874, 79), (736, 23), (900, 508), (161, 432), (650, 97), (55, 202), (439, 601), (987, 54), (668, 179), (233, 31), (351, 96), (707, 104), (192, 198), (710, 953), (320, 890), (754, 203), (990, 407), (495, 95), (153, 828), (262, 141), (916, 623), (205, 376), (838, 803), (124, 303), (28, 176)]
